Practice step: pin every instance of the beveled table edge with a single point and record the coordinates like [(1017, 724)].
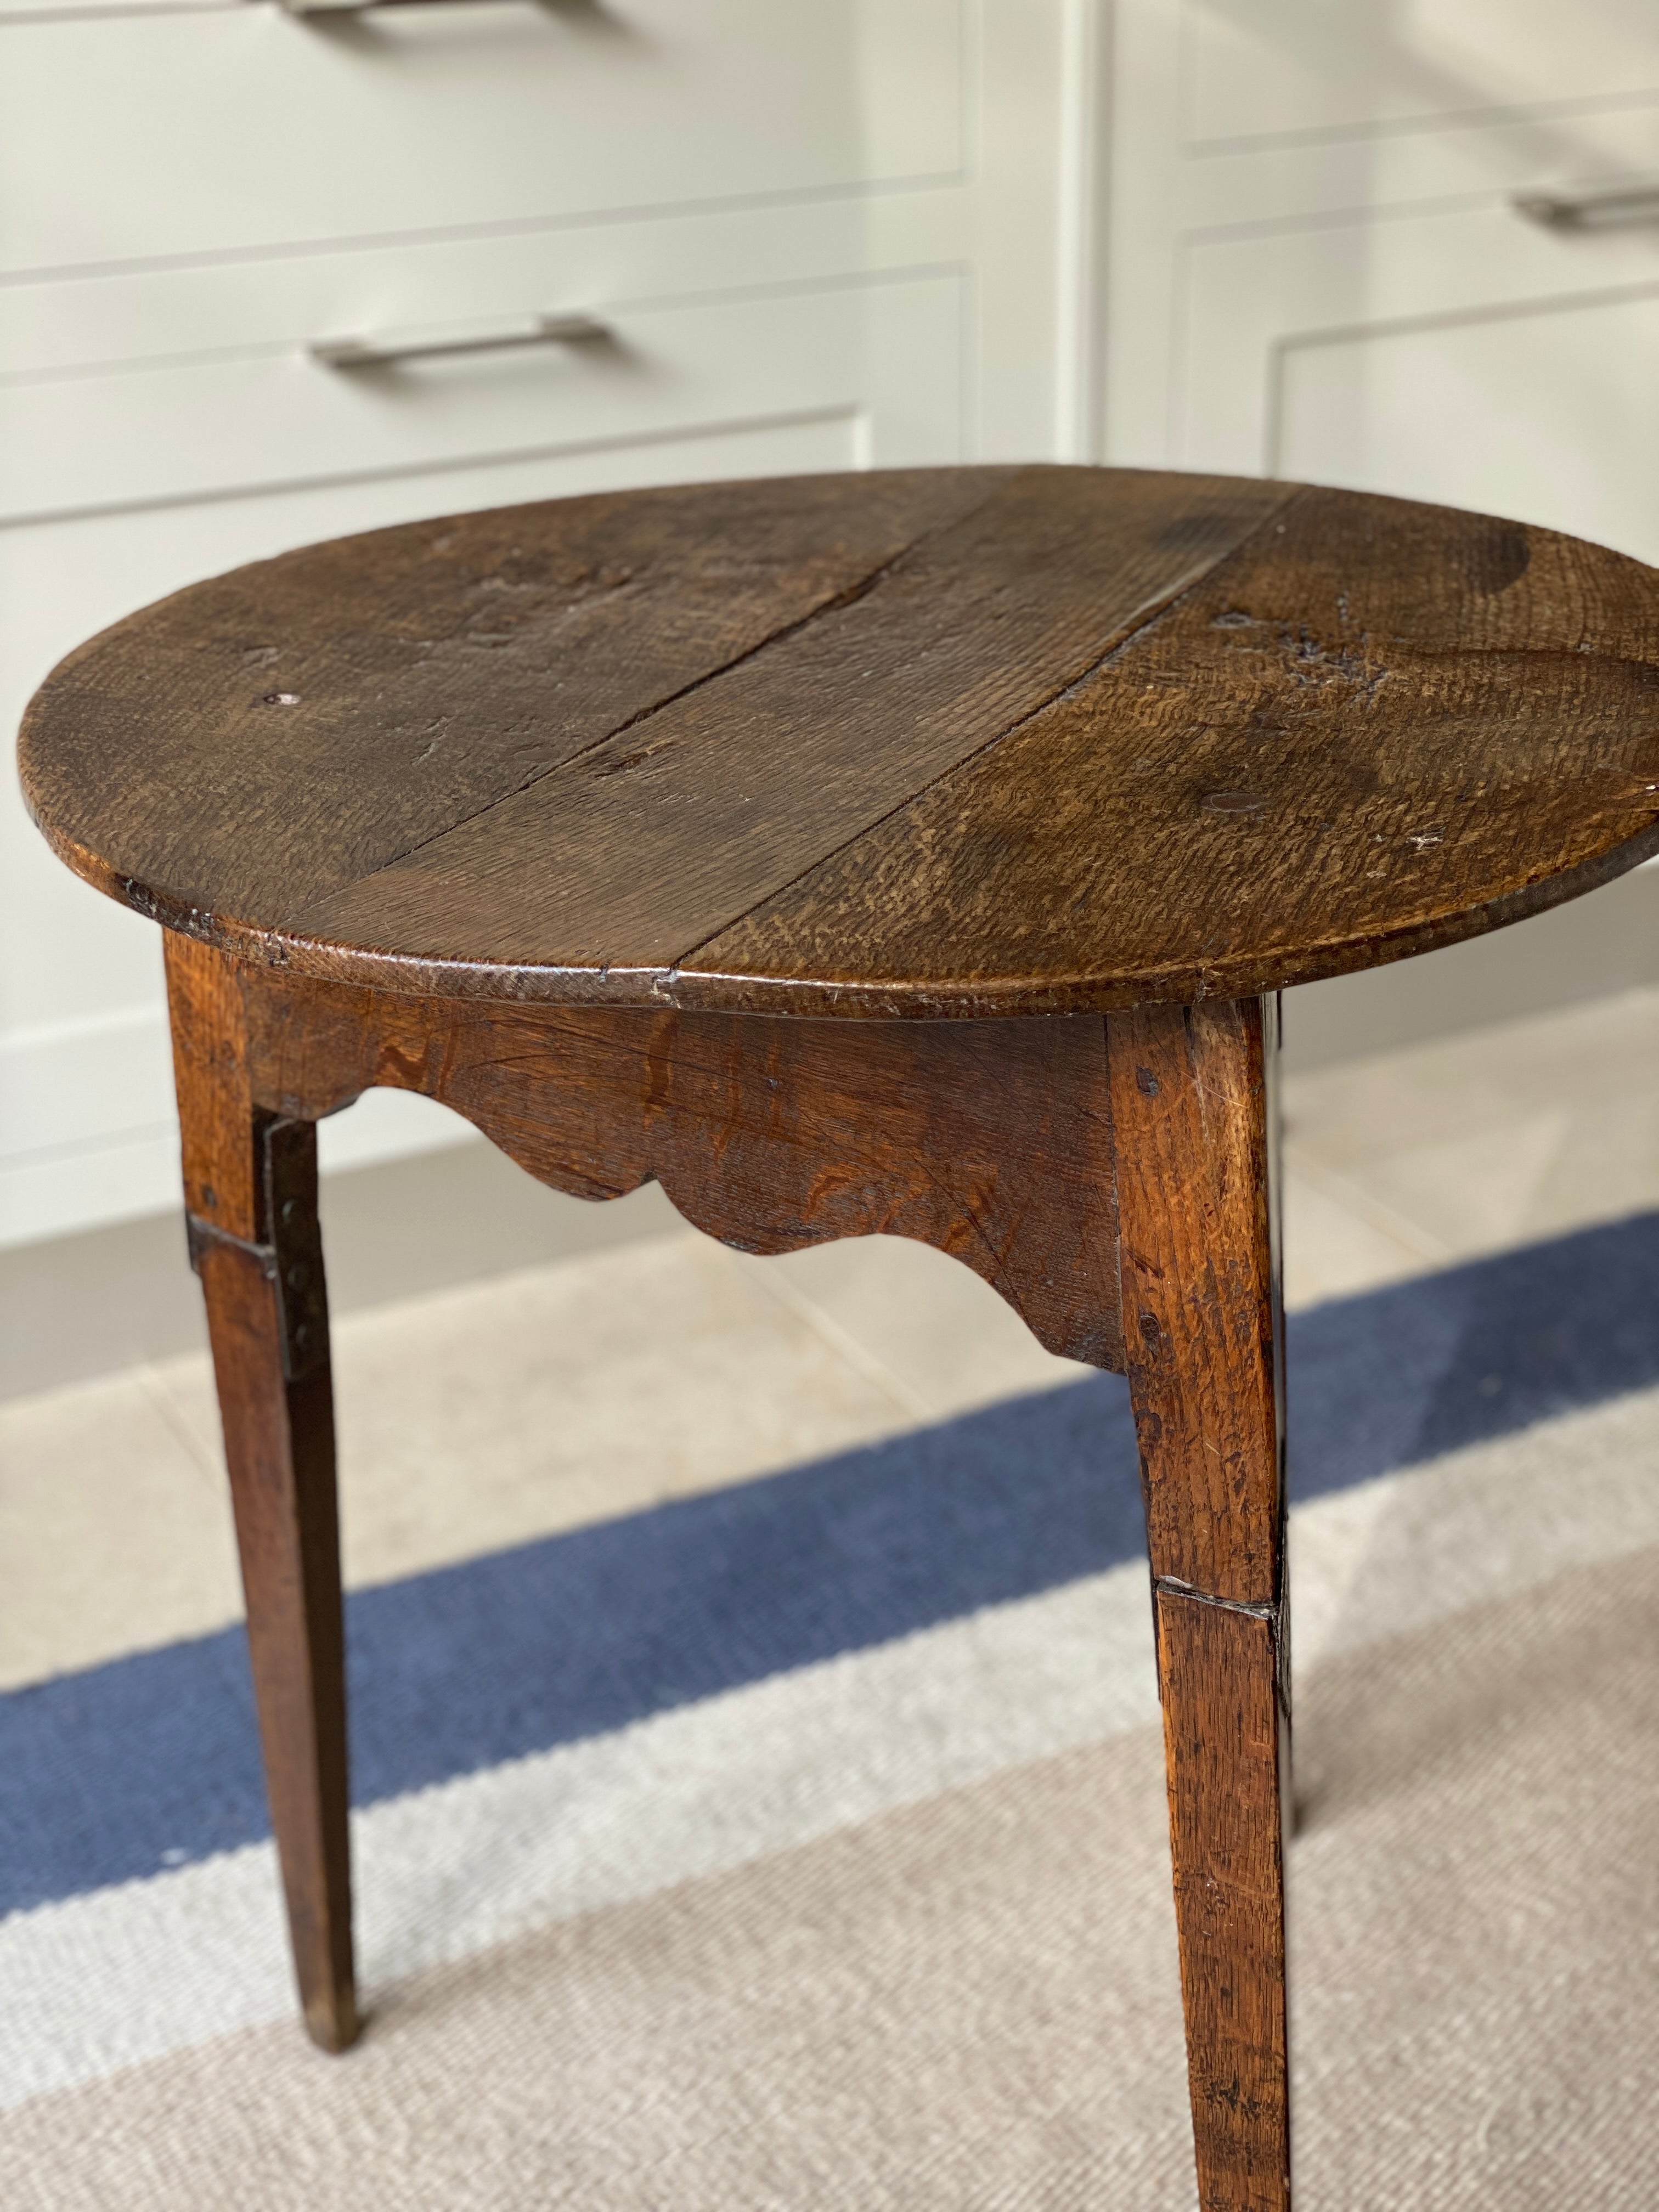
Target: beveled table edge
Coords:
[(696, 990)]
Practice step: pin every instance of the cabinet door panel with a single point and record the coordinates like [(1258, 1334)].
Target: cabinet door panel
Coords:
[(173, 133), (1291, 347), (1255, 68), (196, 428), (1546, 414)]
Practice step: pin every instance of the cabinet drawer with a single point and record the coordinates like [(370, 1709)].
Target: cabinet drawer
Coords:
[(1466, 355), (1272, 70), (188, 429), (136, 317), (1250, 307), (1546, 414), (1314, 177), (147, 137)]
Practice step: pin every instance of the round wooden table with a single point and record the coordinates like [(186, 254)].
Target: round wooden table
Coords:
[(912, 852)]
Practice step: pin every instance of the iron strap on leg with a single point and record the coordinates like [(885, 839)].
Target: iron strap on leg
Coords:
[(250, 1177), (292, 1258)]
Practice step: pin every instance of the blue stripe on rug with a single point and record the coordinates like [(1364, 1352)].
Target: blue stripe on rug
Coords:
[(149, 1761)]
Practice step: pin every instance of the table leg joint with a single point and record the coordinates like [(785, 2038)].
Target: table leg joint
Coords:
[(289, 1255), (1263, 1609)]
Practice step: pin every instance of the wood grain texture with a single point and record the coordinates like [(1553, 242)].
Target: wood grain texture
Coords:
[(654, 842), (1377, 727), (991, 1141), (940, 745), (1192, 1107), (258, 1242), (1223, 1733), (220, 1153), (1200, 1299), (253, 744)]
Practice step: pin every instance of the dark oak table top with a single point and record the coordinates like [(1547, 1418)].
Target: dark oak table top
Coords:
[(943, 742)]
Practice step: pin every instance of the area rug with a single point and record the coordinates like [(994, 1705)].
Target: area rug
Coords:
[(802, 1843)]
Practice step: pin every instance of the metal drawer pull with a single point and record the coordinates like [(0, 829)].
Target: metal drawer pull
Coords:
[(351, 7), (1590, 210), (378, 353)]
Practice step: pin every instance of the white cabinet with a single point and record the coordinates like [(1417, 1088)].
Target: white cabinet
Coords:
[(153, 135), (1264, 69), (817, 234), (1318, 269), (254, 416)]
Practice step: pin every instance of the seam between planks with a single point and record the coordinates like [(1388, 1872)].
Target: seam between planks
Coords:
[(848, 596), (667, 977)]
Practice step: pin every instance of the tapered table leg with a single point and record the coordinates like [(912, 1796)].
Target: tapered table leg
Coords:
[(1192, 1129), (251, 1195)]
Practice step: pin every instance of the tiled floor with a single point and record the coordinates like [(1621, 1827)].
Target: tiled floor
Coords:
[(477, 1417), (1468, 1145)]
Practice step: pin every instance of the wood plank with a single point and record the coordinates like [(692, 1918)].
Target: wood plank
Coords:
[(989, 1140), (1377, 728), (1224, 1738), (435, 668), (654, 841), (1200, 1296)]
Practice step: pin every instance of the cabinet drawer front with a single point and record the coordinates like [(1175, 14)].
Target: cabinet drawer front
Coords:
[(1466, 357), (1332, 178), (1265, 71), (203, 428), (132, 318), (148, 137), (1248, 304), (1546, 414)]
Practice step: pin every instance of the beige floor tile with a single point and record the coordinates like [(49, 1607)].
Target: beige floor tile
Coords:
[(935, 1332), (493, 1415), (1336, 1244), (1572, 1059), (115, 1531), (1522, 1131), (1510, 1185)]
